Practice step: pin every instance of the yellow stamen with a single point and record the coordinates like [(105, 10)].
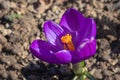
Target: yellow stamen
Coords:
[(67, 41)]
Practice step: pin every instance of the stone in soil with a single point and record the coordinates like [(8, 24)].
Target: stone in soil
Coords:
[(117, 76), (107, 72), (9, 60), (4, 74), (17, 66), (97, 73), (13, 75), (5, 4)]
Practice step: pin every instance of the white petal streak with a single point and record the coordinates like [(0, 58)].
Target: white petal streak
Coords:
[(85, 42)]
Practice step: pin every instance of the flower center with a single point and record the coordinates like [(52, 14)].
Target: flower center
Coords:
[(67, 41)]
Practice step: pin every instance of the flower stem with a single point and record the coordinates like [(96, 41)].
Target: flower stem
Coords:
[(81, 72), (79, 68)]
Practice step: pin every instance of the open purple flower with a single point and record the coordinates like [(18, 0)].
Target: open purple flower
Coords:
[(72, 41)]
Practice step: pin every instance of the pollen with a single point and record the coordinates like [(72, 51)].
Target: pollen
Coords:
[(67, 42)]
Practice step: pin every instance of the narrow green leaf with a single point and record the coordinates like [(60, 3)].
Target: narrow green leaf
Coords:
[(89, 76), (83, 77)]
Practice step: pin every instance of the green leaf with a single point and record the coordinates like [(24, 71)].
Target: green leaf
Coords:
[(89, 76), (75, 78), (13, 16), (83, 77)]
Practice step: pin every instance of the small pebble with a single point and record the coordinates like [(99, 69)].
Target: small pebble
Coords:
[(13, 75), (107, 72), (17, 66), (5, 75), (5, 4), (117, 76), (98, 74)]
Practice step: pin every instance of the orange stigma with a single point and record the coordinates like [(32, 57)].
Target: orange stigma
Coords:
[(67, 41)]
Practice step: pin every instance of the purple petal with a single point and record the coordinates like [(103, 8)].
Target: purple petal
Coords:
[(86, 52), (87, 31), (81, 28), (47, 52), (52, 32), (72, 20), (44, 51), (64, 56)]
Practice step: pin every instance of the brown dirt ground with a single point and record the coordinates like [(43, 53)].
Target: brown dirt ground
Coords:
[(21, 22)]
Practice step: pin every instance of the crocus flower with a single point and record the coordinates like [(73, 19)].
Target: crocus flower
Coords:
[(70, 41)]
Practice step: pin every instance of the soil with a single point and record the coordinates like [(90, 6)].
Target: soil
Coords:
[(21, 22)]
